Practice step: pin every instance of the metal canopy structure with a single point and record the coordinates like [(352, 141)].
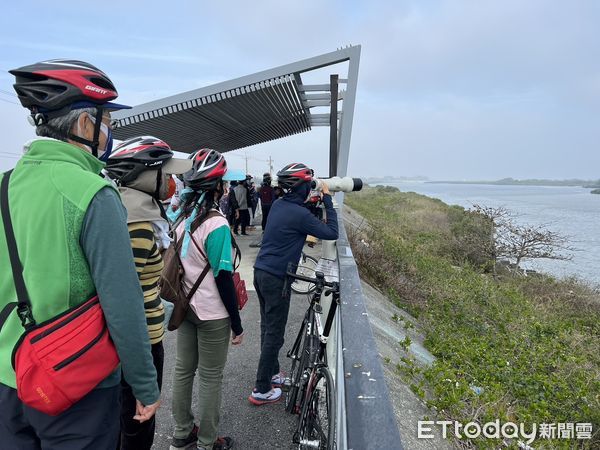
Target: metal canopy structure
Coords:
[(250, 110), (274, 104)]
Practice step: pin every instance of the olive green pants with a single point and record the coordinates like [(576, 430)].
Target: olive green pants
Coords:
[(202, 345)]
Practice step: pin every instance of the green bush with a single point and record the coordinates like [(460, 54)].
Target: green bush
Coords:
[(531, 345)]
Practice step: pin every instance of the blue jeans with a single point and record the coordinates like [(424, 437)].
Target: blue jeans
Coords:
[(91, 423), (274, 309)]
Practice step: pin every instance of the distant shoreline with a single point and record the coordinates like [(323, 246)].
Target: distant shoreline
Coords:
[(587, 184)]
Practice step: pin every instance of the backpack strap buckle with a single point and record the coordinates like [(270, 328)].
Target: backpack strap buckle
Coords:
[(26, 315)]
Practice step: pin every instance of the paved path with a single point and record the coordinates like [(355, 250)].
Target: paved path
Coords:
[(269, 426), (252, 427)]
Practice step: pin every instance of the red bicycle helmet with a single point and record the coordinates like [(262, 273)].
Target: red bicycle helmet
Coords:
[(208, 169), (135, 155), (294, 175), (59, 84), (53, 88)]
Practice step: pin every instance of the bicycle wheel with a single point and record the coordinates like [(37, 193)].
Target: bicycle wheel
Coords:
[(307, 266), (293, 401), (317, 422), (298, 365)]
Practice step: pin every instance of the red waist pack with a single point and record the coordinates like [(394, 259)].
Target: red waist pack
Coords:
[(240, 290), (61, 360)]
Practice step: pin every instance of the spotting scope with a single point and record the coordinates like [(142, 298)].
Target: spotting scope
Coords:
[(337, 184)]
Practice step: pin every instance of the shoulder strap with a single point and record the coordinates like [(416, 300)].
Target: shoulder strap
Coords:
[(238, 253), (211, 213), (24, 304), (198, 281)]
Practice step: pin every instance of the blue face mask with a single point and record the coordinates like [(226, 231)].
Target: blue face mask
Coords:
[(109, 145)]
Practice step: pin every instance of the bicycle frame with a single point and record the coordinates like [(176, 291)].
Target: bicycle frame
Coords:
[(309, 351), (312, 322)]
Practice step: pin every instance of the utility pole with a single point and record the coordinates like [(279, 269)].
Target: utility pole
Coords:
[(246, 157), (270, 166)]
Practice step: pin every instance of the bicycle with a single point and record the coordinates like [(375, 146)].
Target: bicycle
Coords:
[(310, 387), (307, 266)]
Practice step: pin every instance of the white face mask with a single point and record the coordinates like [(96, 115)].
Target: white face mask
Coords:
[(103, 129)]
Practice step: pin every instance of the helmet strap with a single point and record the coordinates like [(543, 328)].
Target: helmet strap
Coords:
[(95, 142), (158, 183), (220, 191), (163, 213)]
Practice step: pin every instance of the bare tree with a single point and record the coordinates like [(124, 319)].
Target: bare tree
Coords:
[(516, 242), (519, 242), (498, 218)]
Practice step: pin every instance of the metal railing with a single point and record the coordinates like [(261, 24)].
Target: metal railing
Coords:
[(365, 418)]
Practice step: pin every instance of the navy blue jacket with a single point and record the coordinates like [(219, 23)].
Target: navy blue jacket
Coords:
[(287, 227)]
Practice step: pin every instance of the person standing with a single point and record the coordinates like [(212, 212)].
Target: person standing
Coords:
[(252, 197), (232, 206), (142, 167), (242, 211), (213, 318), (289, 224), (71, 233), (266, 194)]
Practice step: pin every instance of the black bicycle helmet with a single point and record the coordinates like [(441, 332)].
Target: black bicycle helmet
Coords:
[(136, 155), (293, 175), (208, 169)]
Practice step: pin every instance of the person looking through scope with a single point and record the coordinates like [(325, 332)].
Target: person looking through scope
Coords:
[(286, 230)]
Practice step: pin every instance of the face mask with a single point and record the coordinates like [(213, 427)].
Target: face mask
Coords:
[(109, 140), (109, 143), (304, 191)]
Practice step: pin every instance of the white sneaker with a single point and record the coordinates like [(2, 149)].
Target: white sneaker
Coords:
[(274, 395), (277, 379)]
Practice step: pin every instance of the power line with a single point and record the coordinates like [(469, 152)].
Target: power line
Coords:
[(245, 157), (12, 94), (8, 101)]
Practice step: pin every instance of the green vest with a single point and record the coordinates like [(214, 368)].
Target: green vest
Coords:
[(50, 190)]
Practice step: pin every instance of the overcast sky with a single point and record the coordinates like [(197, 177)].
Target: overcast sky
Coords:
[(447, 89)]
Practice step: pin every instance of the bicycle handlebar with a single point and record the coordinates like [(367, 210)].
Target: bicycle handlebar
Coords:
[(319, 279)]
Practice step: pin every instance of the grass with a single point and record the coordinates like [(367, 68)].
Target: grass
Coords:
[(508, 347)]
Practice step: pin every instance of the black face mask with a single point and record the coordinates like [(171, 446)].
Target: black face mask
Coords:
[(302, 191)]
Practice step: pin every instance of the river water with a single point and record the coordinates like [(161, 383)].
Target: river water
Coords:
[(571, 211)]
